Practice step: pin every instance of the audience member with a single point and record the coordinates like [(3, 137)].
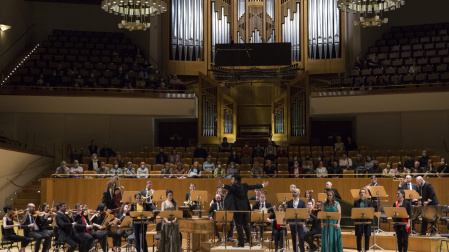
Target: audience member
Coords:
[(102, 170), (225, 146), (345, 162), (442, 169), (269, 148), (76, 169), (296, 170), (409, 163), (195, 171), (335, 171), (232, 170), (233, 157), (208, 165), (339, 145), (62, 169), (388, 171), (270, 170), (321, 171), (358, 165), (246, 154), (142, 171), (416, 168), (94, 163), (430, 170), (220, 171), (258, 151), (116, 169), (423, 159), (106, 151), (161, 158), (271, 156), (129, 169), (175, 157), (167, 171), (256, 170), (119, 161), (369, 163), (200, 152), (281, 152), (350, 145), (375, 169), (307, 166), (93, 148)]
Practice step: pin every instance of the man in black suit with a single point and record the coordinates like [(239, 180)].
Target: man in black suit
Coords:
[(262, 203), (362, 230), (35, 229), (329, 188), (148, 193), (217, 206), (315, 227), (297, 230), (258, 191), (65, 225), (194, 204), (161, 158), (408, 185), (237, 199), (428, 198), (374, 200)]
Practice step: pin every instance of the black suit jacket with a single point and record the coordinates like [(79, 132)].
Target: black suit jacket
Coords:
[(428, 193), (360, 228), (65, 226), (213, 207), (91, 165), (26, 229), (315, 223), (144, 194), (405, 187), (301, 204), (256, 205), (161, 158), (108, 200), (80, 227), (239, 194)]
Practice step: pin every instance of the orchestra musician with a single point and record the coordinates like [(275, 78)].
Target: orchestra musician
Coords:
[(140, 229), (65, 229), (36, 221), (124, 211), (329, 188), (402, 231), (99, 218), (374, 200), (8, 229), (315, 226), (258, 191), (108, 198), (147, 193), (218, 205), (362, 230), (297, 231), (262, 203), (84, 234), (237, 199), (194, 205), (171, 238), (47, 225), (277, 230), (428, 198)]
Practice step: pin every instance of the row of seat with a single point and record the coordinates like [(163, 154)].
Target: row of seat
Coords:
[(86, 34)]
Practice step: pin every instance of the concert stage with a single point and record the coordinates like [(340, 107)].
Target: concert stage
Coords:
[(246, 248), (387, 240)]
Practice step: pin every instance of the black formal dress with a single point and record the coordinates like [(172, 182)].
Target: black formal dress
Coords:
[(38, 232), (315, 228), (217, 206), (277, 232), (10, 235), (297, 230), (401, 232), (362, 230), (427, 193), (237, 199), (65, 232)]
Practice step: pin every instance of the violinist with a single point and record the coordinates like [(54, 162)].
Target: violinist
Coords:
[(48, 216), (109, 195), (278, 231), (8, 229), (35, 221), (124, 211), (99, 218), (85, 231), (66, 226), (315, 227)]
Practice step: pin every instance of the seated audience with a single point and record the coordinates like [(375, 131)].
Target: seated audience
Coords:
[(175, 157), (233, 169), (296, 170), (256, 170), (103, 170), (423, 159), (321, 171), (195, 171), (233, 157), (106, 151), (270, 170), (339, 145), (76, 169), (409, 163), (269, 148), (345, 162), (258, 151), (208, 165), (281, 152), (246, 154), (307, 165), (200, 152), (161, 158), (167, 171), (220, 171), (142, 171), (335, 171), (442, 169), (129, 169), (375, 169), (225, 146), (62, 169), (94, 163)]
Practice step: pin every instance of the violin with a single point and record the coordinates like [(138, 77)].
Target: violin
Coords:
[(18, 213)]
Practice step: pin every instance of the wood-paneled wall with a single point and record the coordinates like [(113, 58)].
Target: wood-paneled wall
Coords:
[(90, 191)]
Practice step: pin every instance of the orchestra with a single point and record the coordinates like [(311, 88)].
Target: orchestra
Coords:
[(83, 228)]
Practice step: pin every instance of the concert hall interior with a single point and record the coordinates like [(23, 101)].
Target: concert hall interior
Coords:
[(182, 92)]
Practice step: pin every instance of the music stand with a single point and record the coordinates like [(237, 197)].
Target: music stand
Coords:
[(126, 223), (411, 195), (171, 214), (223, 215), (201, 197), (397, 212), (143, 215), (284, 197), (295, 214), (259, 217), (355, 194), (378, 192), (328, 216), (252, 202), (362, 213), (128, 197), (281, 216)]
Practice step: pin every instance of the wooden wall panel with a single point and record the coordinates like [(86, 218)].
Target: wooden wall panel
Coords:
[(90, 191)]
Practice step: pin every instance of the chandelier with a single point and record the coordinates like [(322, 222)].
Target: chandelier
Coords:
[(370, 10), (136, 13)]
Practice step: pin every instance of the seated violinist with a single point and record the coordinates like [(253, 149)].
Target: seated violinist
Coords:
[(35, 221), (8, 232), (102, 213), (85, 231), (278, 231)]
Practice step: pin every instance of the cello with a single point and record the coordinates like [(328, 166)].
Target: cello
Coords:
[(118, 197)]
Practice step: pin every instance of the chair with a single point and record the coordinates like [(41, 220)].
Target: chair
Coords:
[(186, 161), (6, 244), (199, 160), (157, 237), (245, 167), (157, 167), (283, 160), (57, 245), (382, 216), (348, 174), (150, 161)]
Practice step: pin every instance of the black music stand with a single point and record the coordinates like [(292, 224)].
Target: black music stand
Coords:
[(296, 213), (223, 215), (281, 216), (328, 216), (362, 213), (396, 212), (141, 217)]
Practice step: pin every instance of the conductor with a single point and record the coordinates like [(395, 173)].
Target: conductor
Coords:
[(237, 200)]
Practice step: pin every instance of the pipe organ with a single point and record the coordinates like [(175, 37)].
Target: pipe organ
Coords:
[(324, 29), (187, 30), (298, 111), (291, 27)]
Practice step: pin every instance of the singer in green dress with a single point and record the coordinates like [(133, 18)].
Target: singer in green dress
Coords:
[(335, 242)]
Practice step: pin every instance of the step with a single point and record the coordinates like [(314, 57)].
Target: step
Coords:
[(19, 206), (32, 189)]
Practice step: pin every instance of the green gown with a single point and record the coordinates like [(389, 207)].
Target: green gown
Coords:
[(335, 241)]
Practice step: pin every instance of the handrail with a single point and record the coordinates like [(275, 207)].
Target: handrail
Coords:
[(15, 42)]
